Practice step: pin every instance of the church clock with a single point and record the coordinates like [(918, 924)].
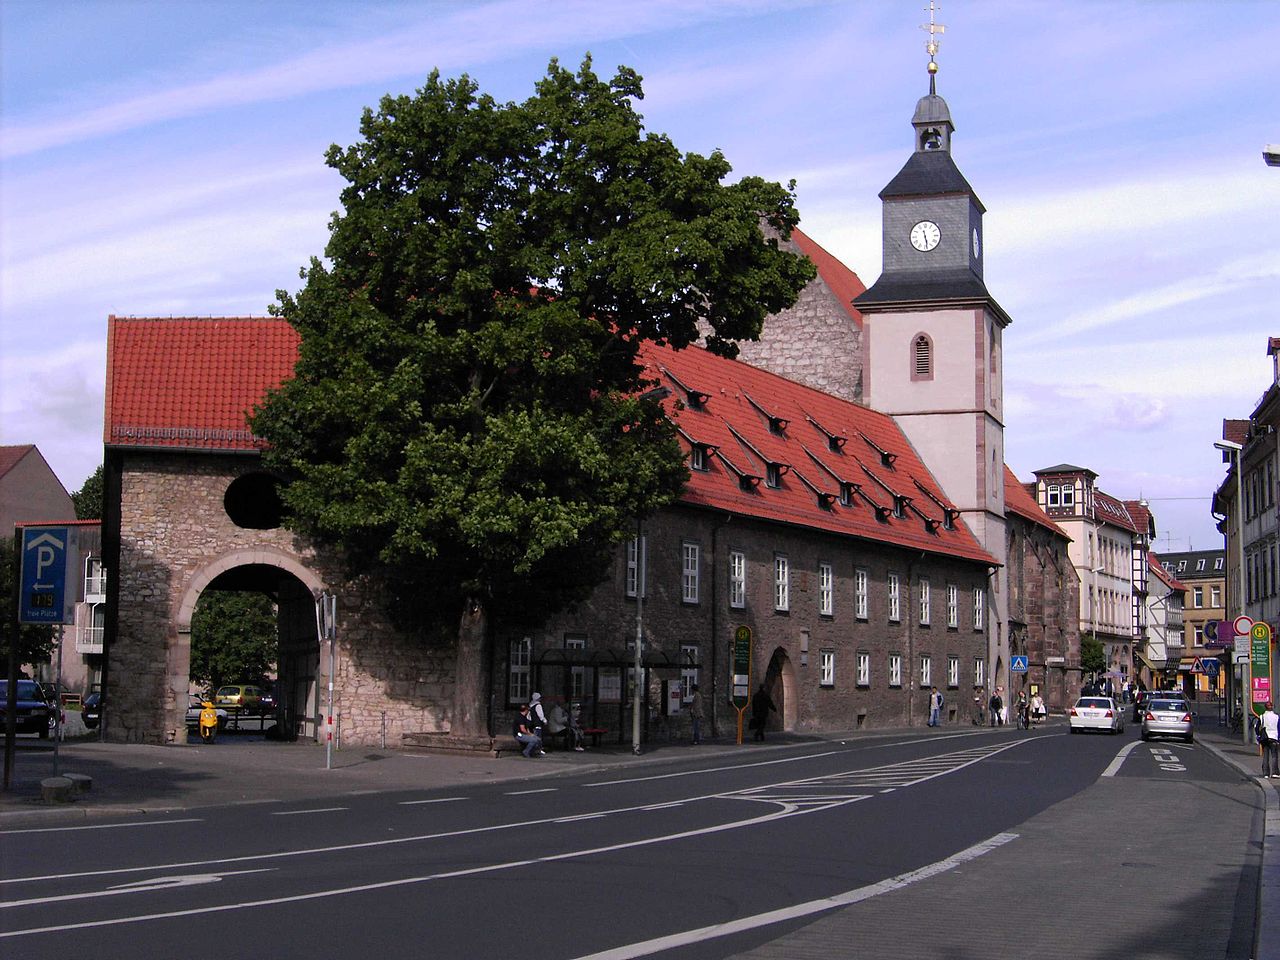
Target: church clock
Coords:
[(925, 235)]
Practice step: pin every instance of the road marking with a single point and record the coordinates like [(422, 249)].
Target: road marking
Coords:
[(784, 813), (795, 912), (138, 886), (102, 826), (410, 803), (521, 793), (298, 813), (735, 766), (1114, 767), (581, 816)]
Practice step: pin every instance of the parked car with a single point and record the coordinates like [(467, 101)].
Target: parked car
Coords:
[(32, 713), (1139, 699), (1096, 713), (91, 710), (1168, 718), (244, 697), (195, 705)]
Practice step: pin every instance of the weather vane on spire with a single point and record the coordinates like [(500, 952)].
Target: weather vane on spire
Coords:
[(935, 34)]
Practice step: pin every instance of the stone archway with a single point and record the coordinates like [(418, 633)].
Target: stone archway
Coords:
[(780, 681), (293, 587)]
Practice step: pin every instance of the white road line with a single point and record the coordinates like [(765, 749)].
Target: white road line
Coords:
[(411, 803), (102, 826), (521, 793), (1114, 766), (298, 813), (795, 912), (734, 766), (141, 886), (406, 881)]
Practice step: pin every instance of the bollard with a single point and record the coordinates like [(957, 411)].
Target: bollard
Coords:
[(56, 790)]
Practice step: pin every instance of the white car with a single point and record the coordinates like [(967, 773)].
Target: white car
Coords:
[(1096, 713)]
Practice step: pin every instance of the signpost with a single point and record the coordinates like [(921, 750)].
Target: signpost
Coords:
[(1018, 664), (46, 556), (1259, 667), (741, 686)]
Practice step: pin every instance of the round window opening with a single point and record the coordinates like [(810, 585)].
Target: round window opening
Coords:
[(253, 501)]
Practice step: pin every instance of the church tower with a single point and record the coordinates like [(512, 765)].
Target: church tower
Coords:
[(931, 339)]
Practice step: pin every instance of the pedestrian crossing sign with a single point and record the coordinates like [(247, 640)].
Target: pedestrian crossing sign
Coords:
[(1018, 664)]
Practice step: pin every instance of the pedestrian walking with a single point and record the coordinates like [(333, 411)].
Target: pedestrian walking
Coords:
[(695, 714), (1022, 711), (523, 730), (1037, 709), (761, 706), (995, 707), (935, 707), (539, 718), (1269, 739)]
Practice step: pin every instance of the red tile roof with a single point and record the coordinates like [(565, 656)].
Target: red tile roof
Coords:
[(187, 383), (1237, 431), (1108, 509), (842, 281), (11, 456), (191, 382), (873, 454), (1163, 575), (1018, 500), (1142, 517)]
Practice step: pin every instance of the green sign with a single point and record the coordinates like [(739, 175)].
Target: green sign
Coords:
[(741, 680), (1259, 667)]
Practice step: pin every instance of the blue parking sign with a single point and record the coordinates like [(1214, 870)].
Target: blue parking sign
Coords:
[(1018, 664), (43, 597)]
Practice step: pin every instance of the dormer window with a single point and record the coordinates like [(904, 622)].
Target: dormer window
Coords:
[(772, 475), (846, 494), (698, 459), (921, 358), (900, 506), (887, 459), (1200, 564), (777, 425), (748, 482), (835, 442), (694, 399), (1217, 564)]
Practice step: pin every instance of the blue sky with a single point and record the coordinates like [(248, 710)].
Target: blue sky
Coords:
[(166, 159)]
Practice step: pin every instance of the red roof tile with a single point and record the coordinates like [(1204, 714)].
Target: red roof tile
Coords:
[(1161, 574), (1143, 520), (11, 456), (1110, 510), (1018, 500), (188, 383), (191, 382), (875, 455), (1237, 431)]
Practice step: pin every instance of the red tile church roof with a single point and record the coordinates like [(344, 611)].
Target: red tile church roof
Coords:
[(1017, 499), (189, 383), (842, 281)]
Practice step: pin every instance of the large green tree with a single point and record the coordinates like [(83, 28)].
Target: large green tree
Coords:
[(467, 415), (233, 638), (1093, 658)]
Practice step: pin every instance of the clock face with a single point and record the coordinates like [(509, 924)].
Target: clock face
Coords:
[(976, 246), (925, 235)]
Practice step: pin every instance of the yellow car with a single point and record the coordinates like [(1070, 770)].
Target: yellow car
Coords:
[(242, 697)]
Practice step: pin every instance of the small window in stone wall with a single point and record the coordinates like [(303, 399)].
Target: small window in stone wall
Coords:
[(253, 502)]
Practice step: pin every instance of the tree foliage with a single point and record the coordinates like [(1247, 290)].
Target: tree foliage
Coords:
[(233, 638), (88, 499), (1093, 658), (34, 642), (467, 413)]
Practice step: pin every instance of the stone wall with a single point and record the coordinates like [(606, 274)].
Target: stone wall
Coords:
[(1043, 603)]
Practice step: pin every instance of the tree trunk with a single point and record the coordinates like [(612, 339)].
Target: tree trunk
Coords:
[(470, 689)]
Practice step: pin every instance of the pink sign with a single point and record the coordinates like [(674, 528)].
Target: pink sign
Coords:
[(1261, 689)]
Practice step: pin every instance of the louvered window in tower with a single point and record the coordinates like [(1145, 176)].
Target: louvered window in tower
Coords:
[(921, 358)]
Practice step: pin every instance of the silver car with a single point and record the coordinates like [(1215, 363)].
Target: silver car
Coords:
[(1168, 718)]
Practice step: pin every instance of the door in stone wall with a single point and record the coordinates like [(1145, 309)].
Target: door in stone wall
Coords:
[(780, 681)]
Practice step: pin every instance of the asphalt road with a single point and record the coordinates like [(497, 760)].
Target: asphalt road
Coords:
[(902, 846)]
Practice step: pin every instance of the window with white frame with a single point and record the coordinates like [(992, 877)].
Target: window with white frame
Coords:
[(864, 669), (635, 565), (1199, 636), (979, 603), (827, 668), (895, 598), (95, 577), (926, 670), (979, 672), (1068, 495), (925, 603), (577, 674), (1215, 596), (1197, 597), (781, 583), (737, 579), (689, 573), (953, 671), (518, 673), (698, 457), (688, 670), (953, 605), (826, 590), (1052, 495), (860, 594), (895, 669)]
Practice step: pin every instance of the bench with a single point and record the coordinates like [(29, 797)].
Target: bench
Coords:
[(595, 733)]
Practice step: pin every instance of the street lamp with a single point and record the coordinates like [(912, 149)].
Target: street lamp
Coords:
[(1093, 606), (637, 680), (1232, 451), (1271, 154)]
